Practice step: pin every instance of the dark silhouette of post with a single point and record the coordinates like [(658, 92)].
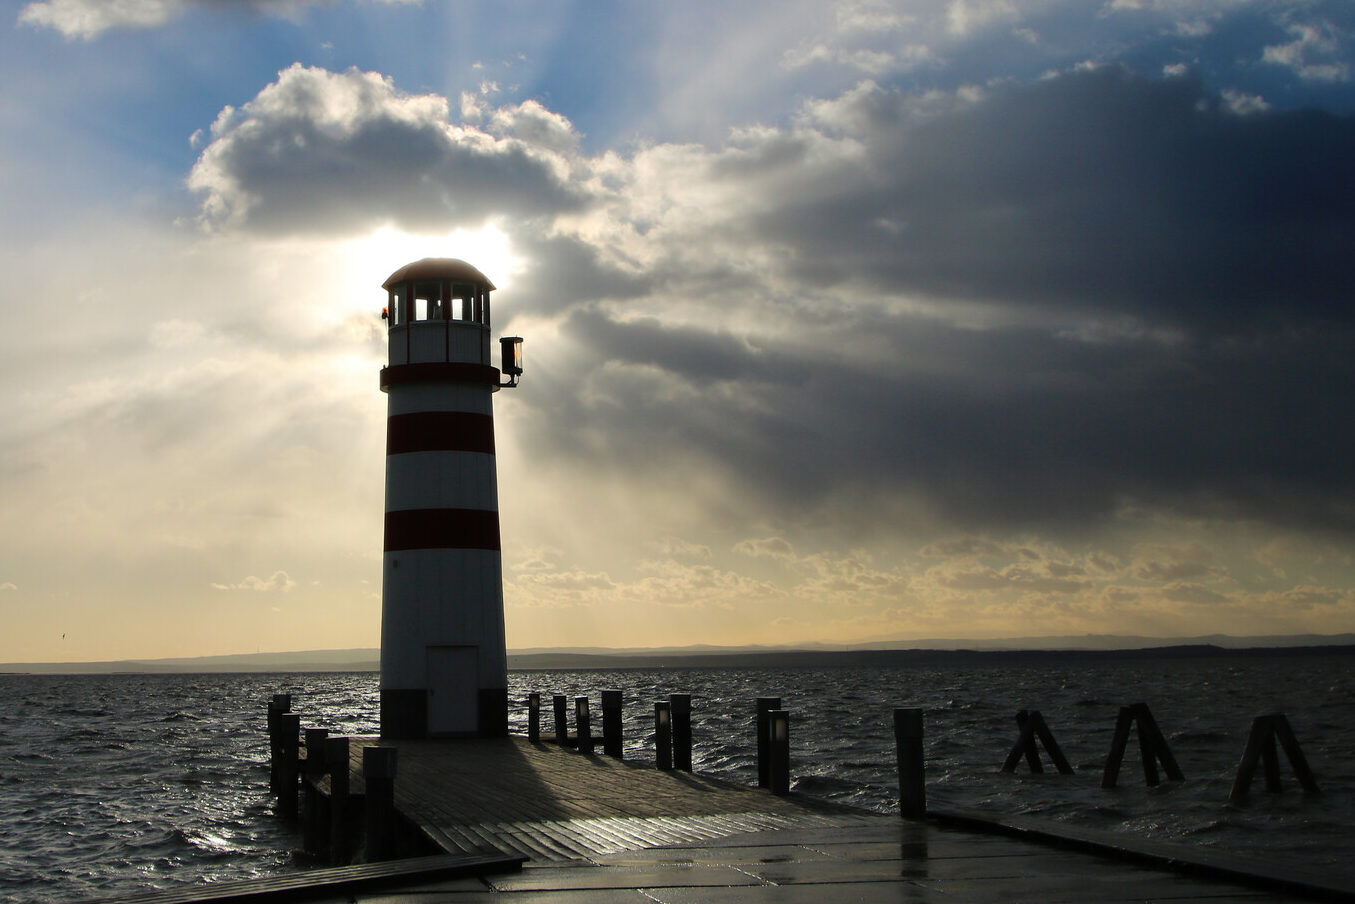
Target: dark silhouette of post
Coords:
[(315, 808), (1152, 747), (663, 735), (289, 750), (561, 717), (281, 703), (611, 724), (1265, 730), (336, 762), (911, 763), (680, 706), (1033, 726), (534, 717), (584, 722), (378, 775), (764, 736), (778, 735)]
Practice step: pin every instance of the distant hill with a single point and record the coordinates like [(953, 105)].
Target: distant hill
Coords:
[(1097, 646)]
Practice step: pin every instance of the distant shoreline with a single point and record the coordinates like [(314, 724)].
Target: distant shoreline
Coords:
[(367, 660)]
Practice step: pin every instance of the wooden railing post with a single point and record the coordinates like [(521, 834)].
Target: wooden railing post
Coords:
[(561, 719), (911, 763), (534, 717), (289, 749), (281, 703), (778, 737), (763, 728), (378, 775), (680, 706), (611, 724), (584, 721), (663, 735), (314, 807), (337, 764)]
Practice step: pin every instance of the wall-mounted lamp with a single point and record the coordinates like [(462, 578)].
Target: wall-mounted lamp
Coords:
[(511, 348)]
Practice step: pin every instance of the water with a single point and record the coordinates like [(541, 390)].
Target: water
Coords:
[(113, 784)]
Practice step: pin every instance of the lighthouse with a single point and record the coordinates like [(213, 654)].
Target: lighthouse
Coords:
[(443, 656)]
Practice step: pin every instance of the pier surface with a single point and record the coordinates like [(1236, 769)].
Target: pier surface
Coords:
[(595, 829)]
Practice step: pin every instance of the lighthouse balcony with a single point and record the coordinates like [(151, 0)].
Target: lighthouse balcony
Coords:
[(439, 342)]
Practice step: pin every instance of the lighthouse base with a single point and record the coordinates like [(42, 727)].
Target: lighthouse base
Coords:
[(404, 714)]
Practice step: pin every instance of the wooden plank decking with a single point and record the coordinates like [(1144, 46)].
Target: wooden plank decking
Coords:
[(551, 804)]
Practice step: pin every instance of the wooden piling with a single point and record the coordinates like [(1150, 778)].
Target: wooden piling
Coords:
[(1265, 730), (336, 763), (561, 719), (289, 748), (379, 820), (314, 808), (763, 728), (534, 717), (1152, 746), (778, 736), (911, 763), (281, 703), (611, 724), (663, 735), (1033, 726), (584, 722), (680, 707)]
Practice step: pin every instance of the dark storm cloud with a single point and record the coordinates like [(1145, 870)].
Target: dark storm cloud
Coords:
[(1095, 191)]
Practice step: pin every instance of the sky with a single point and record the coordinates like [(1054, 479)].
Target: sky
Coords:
[(843, 322)]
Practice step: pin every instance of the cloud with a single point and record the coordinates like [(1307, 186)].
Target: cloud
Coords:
[(87, 19), (1313, 55), (277, 582), (8, 586), (772, 547), (321, 151)]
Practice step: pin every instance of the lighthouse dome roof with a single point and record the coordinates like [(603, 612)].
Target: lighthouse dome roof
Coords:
[(439, 268)]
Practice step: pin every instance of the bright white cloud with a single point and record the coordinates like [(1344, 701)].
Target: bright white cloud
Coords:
[(87, 19), (277, 582), (1313, 54)]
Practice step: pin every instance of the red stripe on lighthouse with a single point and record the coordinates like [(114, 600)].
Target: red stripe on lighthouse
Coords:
[(440, 431), (442, 529)]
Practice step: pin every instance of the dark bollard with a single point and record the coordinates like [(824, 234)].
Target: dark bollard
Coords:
[(561, 719), (281, 703), (680, 708), (1265, 731), (314, 808), (778, 737), (584, 721), (378, 774), (663, 735), (289, 750), (336, 763), (908, 742), (611, 723), (764, 706), (534, 717)]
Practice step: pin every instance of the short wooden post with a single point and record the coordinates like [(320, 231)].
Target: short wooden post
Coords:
[(1265, 730), (281, 703), (337, 764), (378, 774), (611, 724), (289, 750), (584, 721), (663, 735), (778, 737), (763, 727), (561, 719), (1152, 746), (680, 706), (911, 763), (315, 810), (534, 717), (1033, 726)]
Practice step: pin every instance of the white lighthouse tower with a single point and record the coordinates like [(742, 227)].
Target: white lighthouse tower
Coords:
[(443, 655)]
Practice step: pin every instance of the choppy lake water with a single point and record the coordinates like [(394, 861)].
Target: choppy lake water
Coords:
[(113, 784)]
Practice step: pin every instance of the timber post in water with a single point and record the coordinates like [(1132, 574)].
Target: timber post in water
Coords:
[(1152, 747), (443, 654), (663, 735), (680, 707), (289, 749), (908, 750), (764, 744), (281, 703), (1265, 730), (611, 724), (1032, 725), (778, 739)]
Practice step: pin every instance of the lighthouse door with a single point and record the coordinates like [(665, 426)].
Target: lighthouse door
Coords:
[(453, 690)]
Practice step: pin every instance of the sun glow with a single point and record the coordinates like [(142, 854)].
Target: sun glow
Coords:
[(369, 260)]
